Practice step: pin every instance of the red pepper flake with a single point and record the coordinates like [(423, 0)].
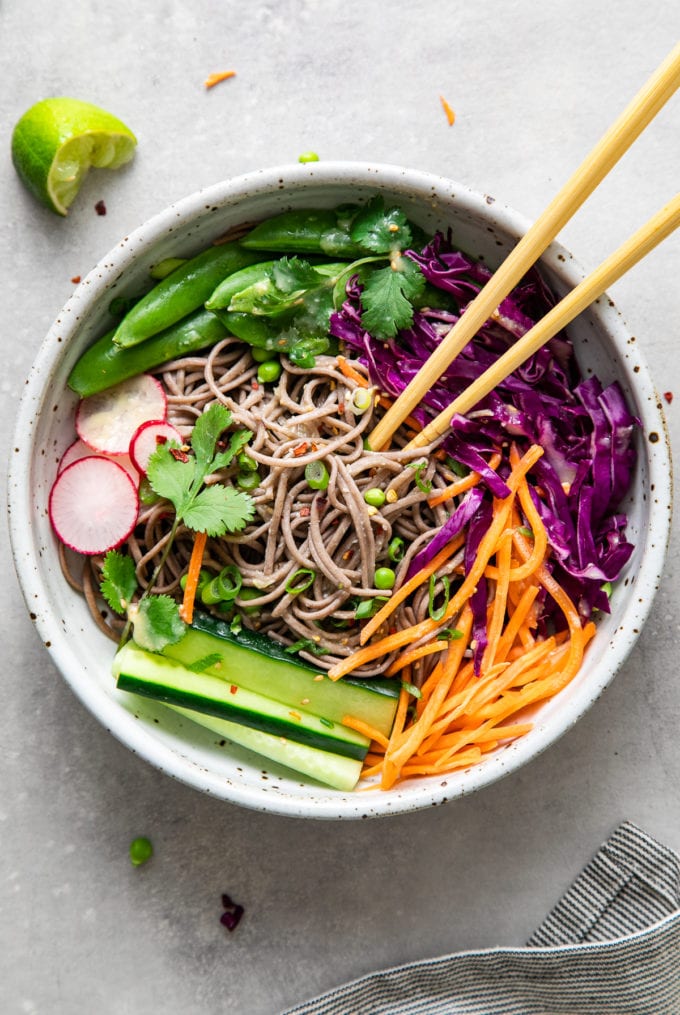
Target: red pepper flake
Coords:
[(315, 447), (305, 511), (341, 408), (233, 689), (301, 449), (100, 208), (161, 438), (450, 115), (214, 79), (668, 395), (232, 913), (76, 279), (179, 455), (254, 385)]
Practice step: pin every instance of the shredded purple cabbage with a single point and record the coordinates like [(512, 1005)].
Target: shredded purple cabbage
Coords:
[(586, 429)]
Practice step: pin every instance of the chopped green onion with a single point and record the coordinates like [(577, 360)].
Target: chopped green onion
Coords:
[(375, 497), (308, 157), (424, 485), (204, 576), (438, 613), (141, 850), (316, 475), (607, 588), (524, 531), (395, 550), (384, 578), (362, 400), (211, 593), (325, 722), (368, 607), (450, 633), (414, 691), (300, 581), (229, 582), (236, 625)]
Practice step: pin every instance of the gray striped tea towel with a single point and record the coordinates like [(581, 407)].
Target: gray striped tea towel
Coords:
[(611, 946)]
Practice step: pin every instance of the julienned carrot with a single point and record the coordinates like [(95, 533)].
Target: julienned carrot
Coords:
[(461, 485), (414, 654), (359, 726), (214, 79), (186, 610), (461, 716), (410, 586), (353, 375)]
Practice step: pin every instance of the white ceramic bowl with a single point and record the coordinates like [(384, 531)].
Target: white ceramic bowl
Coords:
[(484, 228)]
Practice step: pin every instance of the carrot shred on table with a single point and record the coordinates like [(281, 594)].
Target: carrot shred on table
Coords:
[(348, 371), (214, 79), (186, 610), (448, 109)]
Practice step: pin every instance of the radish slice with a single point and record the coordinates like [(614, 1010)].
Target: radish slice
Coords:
[(147, 438), (93, 505), (79, 449), (107, 421)]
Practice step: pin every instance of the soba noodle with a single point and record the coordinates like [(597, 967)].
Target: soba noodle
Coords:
[(306, 416)]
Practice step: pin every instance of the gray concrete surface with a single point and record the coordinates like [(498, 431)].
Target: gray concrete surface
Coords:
[(533, 85)]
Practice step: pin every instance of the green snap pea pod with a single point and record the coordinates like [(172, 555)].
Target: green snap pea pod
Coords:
[(256, 331), (105, 364), (304, 232), (221, 297), (183, 291)]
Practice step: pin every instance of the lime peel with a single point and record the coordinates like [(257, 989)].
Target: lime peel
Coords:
[(57, 140)]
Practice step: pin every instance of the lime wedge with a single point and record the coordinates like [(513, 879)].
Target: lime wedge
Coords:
[(57, 140)]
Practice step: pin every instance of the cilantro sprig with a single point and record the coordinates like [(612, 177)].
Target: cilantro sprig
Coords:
[(214, 508)]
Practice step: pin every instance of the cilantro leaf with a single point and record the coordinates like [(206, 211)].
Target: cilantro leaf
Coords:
[(119, 580), (237, 441), (218, 509), (171, 478), (386, 298), (156, 622), (381, 230), (207, 430)]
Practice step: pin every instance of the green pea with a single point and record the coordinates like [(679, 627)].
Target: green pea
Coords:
[(260, 355), (269, 371), (375, 497), (141, 850), (384, 578), (248, 480)]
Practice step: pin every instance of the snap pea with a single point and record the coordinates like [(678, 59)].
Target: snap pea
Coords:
[(303, 232), (183, 291), (221, 297), (105, 364)]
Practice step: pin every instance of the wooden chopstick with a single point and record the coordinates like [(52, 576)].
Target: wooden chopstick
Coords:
[(604, 156), (617, 264)]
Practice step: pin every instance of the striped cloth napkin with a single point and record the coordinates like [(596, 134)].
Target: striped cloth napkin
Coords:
[(611, 946)]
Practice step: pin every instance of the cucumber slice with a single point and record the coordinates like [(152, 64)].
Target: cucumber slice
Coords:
[(330, 769), (260, 664), (154, 676)]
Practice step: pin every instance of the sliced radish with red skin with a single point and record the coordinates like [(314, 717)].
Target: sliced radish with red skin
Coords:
[(147, 438), (79, 449), (93, 505), (107, 421)]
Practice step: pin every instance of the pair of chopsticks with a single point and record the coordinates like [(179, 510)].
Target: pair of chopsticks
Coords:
[(620, 136)]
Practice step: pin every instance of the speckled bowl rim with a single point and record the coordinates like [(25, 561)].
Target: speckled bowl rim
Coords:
[(413, 795)]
